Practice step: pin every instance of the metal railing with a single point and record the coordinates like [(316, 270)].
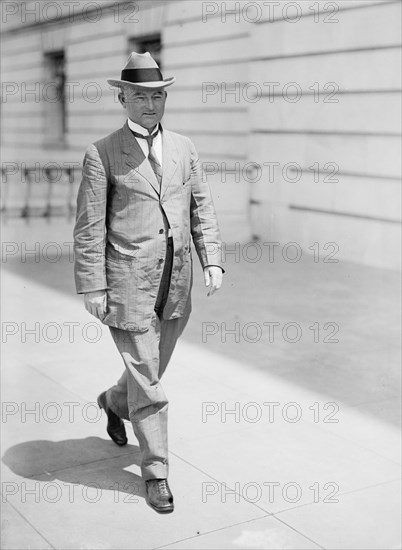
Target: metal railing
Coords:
[(35, 191)]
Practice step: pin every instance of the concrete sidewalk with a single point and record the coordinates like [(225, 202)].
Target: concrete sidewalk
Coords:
[(261, 457)]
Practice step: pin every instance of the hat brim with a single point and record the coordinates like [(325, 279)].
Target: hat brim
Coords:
[(154, 84)]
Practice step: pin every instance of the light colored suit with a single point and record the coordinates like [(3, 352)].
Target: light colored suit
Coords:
[(120, 193), (120, 244)]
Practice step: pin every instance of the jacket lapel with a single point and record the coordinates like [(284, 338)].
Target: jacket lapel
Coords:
[(134, 157)]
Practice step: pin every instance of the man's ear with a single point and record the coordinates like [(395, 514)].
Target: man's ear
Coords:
[(122, 98)]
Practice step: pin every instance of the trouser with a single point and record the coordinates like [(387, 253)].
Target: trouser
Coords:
[(138, 395)]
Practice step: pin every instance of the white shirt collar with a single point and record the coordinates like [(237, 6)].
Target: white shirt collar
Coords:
[(139, 129)]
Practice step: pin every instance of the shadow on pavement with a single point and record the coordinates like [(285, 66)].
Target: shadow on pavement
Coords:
[(91, 462)]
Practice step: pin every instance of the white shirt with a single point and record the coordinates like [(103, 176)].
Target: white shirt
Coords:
[(157, 143)]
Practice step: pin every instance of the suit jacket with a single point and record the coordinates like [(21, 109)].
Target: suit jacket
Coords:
[(122, 226)]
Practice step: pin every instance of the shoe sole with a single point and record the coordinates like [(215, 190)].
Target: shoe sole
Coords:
[(161, 510)]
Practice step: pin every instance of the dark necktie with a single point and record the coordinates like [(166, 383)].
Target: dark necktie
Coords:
[(156, 167)]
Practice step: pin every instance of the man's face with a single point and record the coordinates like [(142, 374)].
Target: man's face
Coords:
[(144, 106)]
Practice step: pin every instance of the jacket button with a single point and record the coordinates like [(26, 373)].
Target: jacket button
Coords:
[(161, 231), (161, 260)]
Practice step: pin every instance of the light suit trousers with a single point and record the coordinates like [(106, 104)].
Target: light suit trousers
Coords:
[(138, 395)]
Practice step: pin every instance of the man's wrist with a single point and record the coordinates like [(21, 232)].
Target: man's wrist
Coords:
[(215, 265)]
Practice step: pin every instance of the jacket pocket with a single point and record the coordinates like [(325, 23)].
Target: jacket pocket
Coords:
[(117, 257)]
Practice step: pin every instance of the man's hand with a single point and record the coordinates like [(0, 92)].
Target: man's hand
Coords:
[(95, 303), (213, 276)]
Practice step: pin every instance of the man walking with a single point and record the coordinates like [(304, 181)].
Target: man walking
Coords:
[(141, 200)]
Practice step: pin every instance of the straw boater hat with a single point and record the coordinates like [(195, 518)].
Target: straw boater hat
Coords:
[(142, 70)]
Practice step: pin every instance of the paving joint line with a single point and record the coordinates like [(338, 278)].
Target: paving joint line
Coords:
[(212, 531), (31, 525), (267, 513), (344, 493)]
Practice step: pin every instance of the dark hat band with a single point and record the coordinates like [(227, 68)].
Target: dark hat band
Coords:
[(141, 75)]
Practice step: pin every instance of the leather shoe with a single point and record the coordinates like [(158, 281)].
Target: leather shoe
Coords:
[(115, 425), (159, 495)]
